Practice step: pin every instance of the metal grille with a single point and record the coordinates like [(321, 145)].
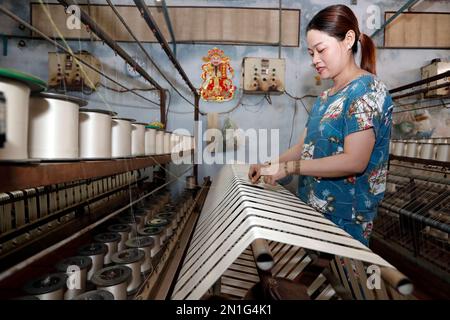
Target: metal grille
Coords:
[(415, 214)]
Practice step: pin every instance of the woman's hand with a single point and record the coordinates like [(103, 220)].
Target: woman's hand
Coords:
[(271, 174), (254, 173)]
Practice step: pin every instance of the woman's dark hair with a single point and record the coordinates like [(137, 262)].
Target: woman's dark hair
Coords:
[(336, 21)]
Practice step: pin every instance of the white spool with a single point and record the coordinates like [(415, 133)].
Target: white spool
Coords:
[(183, 143), (159, 145), (95, 133), (167, 142), (391, 146), (398, 149), (172, 143), (53, 126), (176, 143), (443, 152), (138, 139), (121, 137), (150, 141), (411, 149), (17, 95), (427, 151)]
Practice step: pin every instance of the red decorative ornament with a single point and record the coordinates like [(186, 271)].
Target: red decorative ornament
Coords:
[(217, 73)]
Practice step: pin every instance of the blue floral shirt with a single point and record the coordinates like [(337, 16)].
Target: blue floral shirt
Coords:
[(364, 103)]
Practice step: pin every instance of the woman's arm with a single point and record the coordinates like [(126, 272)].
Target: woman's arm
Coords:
[(291, 154), (358, 148)]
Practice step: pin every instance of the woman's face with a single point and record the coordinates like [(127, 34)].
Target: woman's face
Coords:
[(329, 55)]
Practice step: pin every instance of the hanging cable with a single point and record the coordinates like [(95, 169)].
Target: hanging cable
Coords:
[(113, 7), (67, 51), (301, 99), (293, 121)]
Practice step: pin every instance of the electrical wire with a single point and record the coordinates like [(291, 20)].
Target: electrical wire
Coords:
[(64, 49), (127, 90), (301, 99), (122, 20), (293, 121)]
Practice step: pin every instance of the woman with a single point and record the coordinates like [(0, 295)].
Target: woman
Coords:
[(343, 153)]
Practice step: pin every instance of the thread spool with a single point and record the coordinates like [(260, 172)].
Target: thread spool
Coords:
[(96, 295), (96, 252), (113, 279), (121, 137), (170, 216), (443, 152), (159, 142), (427, 151), (137, 139), (155, 233), (17, 96), (150, 141), (95, 133), (411, 149), (135, 222), (53, 126), (392, 146), (142, 214), (132, 258), (166, 145), (163, 224), (145, 244), (124, 231), (111, 240), (16, 88), (167, 217), (76, 269), (47, 287)]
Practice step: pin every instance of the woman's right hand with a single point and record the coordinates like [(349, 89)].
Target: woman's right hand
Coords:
[(254, 173)]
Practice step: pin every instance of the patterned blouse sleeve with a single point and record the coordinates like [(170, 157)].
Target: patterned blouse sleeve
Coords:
[(364, 112)]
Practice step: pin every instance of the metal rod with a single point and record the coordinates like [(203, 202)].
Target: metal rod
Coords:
[(420, 82), (162, 101), (145, 12), (262, 254), (441, 105), (412, 93), (445, 181), (169, 26), (437, 170), (55, 215), (425, 220), (41, 254), (196, 119), (210, 41), (444, 164), (56, 44), (279, 28), (406, 6), (95, 28), (139, 43)]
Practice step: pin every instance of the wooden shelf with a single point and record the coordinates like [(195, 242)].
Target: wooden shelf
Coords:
[(18, 176)]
